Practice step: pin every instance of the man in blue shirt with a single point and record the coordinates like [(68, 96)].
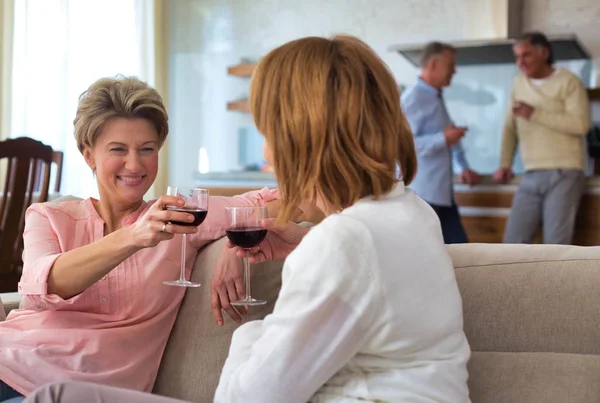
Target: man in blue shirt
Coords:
[(437, 140)]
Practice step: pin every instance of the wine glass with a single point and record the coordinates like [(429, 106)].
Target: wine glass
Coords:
[(246, 231), (196, 204)]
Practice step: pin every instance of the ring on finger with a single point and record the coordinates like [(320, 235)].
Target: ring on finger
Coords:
[(164, 228)]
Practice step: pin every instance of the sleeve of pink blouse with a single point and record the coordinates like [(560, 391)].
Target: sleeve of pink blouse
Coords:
[(216, 221), (41, 249)]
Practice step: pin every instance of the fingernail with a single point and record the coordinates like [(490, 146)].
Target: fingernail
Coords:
[(181, 202), (191, 218), (239, 321), (220, 323)]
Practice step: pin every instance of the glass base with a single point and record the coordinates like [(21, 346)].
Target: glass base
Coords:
[(248, 301), (181, 283)]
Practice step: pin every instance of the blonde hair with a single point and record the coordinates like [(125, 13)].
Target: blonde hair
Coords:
[(330, 111), (118, 97)]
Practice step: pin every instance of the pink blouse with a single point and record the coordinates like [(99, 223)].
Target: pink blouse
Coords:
[(113, 333)]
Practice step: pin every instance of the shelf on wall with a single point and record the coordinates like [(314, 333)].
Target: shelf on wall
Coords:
[(239, 105), (241, 70)]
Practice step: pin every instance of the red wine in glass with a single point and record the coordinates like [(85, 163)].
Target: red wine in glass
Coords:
[(246, 231), (246, 238), (196, 204), (198, 213)]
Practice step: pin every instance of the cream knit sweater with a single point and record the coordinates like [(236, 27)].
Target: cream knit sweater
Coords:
[(553, 138)]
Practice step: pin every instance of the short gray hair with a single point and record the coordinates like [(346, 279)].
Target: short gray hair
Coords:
[(118, 97), (539, 40), (433, 49)]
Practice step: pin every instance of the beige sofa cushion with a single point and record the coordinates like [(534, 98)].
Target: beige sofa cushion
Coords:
[(534, 378), (9, 301), (2, 311), (531, 315), (530, 298), (197, 347), (522, 303)]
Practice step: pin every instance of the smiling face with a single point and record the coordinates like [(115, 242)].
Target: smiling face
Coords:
[(125, 160)]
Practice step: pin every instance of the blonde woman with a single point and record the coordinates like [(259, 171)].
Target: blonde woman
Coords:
[(95, 308), (369, 308)]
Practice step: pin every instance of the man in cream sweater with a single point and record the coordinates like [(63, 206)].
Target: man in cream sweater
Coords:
[(549, 119)]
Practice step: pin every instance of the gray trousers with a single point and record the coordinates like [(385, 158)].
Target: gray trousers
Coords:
[(547, 197), (79, 392)]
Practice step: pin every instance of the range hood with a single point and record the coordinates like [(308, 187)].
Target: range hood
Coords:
[(494, 26)]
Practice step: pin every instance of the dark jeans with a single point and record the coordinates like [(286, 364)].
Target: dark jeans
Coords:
[(452, 228), (6, 392)]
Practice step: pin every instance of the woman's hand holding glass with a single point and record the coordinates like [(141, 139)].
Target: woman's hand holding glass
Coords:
[(280, 241), (156, 224), (195, 204), (228, 282), (227, 285)]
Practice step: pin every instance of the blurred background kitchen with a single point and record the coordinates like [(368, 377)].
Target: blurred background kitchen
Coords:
[(200, 54)]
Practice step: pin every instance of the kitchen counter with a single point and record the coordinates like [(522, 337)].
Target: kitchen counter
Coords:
[(488, 184), (484, 208), (240, 179), (255, 180)]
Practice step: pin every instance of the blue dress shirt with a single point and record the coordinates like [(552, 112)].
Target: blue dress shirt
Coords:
[(427, 116)]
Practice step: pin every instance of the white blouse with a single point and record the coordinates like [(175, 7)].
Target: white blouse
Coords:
[(369, 310)]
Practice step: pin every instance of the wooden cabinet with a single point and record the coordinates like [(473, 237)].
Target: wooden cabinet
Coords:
[(484, 215), (484, 212)]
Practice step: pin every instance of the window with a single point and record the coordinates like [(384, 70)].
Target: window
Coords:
[(60, 48)]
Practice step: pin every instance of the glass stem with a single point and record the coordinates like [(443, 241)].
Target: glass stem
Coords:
[(183, 244), (247, 277)]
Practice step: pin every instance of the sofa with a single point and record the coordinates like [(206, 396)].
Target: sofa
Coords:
[(531, 315)]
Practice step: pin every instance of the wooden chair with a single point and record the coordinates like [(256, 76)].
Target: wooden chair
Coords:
[(26, 158), (57, 159)]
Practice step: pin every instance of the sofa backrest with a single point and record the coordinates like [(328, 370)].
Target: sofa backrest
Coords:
[(531, 315), (532, 318), (2, 311), (197, 348)]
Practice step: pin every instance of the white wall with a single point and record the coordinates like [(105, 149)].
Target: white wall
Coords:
[(581, 17), (210, 35)]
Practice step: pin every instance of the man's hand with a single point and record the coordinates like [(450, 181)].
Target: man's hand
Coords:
[(503, 175), (469, 177), (453, 134), (522, 110)]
